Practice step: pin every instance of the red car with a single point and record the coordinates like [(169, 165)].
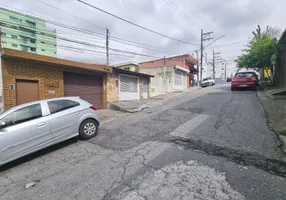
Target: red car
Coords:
[(244, 80)]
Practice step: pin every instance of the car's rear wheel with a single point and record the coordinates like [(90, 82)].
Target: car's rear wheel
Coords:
[(88, 129)]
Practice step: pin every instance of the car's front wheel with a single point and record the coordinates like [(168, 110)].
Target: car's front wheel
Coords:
[(88, 129)]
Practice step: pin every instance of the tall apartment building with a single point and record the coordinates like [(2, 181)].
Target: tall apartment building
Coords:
[(26, 33)]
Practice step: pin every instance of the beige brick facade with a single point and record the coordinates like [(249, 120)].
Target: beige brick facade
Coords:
[(49, 74), (48, 77)]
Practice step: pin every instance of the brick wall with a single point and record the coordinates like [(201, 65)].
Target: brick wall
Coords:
[(49, 78), (159, 63)]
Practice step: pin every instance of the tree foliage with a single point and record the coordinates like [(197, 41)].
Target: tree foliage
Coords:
[(260, 49)]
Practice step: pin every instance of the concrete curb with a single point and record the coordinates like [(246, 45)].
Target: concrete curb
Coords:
[(264, 90), (153, 101), (281, 138), (283, 142)]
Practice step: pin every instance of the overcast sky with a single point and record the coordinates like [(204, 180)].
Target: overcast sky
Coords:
[(236, 19)]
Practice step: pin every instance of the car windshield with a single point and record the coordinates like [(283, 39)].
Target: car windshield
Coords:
[(244, 75)]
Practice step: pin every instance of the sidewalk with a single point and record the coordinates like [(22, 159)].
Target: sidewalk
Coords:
[(119, 109), (138, 105), (275, 108)]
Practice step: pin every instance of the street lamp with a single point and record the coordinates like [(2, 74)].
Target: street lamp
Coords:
[(214, 40)]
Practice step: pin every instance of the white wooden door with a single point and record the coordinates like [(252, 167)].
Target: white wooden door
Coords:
[(145, 89)]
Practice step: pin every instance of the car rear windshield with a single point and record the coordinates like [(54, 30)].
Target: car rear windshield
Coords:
[(245, 74)]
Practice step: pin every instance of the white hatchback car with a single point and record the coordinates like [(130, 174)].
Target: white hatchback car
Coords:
[(33, 126)]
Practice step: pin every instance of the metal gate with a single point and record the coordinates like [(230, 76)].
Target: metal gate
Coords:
[(128, 87), (87, 87)]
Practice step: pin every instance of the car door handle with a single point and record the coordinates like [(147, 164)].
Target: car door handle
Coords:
[(41, 125), (77, 113)]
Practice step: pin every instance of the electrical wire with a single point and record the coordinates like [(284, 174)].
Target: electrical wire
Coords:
[(235, 43), (102, 28), (182, 14), (89, 50), (95, 45), (70, 14), (60, 46), (84, 30), (134, 24)]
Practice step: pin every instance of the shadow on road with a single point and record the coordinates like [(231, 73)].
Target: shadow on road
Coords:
[(38, 154)]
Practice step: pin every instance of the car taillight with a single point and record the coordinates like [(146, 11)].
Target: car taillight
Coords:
[(93, 107)]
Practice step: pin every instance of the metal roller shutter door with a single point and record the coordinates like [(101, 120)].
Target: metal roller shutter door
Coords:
[(129, 88), (87, 87)]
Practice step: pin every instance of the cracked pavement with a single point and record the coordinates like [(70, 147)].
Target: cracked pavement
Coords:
[(206, 144)]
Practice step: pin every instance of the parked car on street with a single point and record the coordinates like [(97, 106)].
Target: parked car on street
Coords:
[(228, 80), (244, 80), (208, 82), (33, 126)]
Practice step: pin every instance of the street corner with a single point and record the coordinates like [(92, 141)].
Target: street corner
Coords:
[(182, 181)]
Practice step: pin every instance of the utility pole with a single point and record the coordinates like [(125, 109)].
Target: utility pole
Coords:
[(213, 64), (204, 37), (107, 46), (164, 68), (165, 85), (216, 56), (225, 71), (202, 54), (197, 67), (1, 39)]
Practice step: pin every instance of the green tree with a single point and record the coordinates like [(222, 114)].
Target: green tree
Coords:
[(258, 54), (260, 50)]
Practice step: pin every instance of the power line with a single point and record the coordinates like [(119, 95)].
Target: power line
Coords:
[(88, 22), (70, 14), (163, 52), (102, 52), (95, 45), (184, 14), (60, 46), (176, 11), (85, 31), (235, 43), (134, 24)]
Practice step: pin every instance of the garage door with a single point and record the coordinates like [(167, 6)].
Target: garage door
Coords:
[(129, 88), (87, 87)]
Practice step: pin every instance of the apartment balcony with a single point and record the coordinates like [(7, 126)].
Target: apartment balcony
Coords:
[(26, 43), (27, 26), (27, 34)]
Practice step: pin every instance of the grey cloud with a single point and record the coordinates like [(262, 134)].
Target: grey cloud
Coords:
[(236, 19), (234, 14)]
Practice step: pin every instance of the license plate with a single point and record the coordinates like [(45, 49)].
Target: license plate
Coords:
[(243, 85)]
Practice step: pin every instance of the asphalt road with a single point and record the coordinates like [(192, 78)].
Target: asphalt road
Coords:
[(206, 144)]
